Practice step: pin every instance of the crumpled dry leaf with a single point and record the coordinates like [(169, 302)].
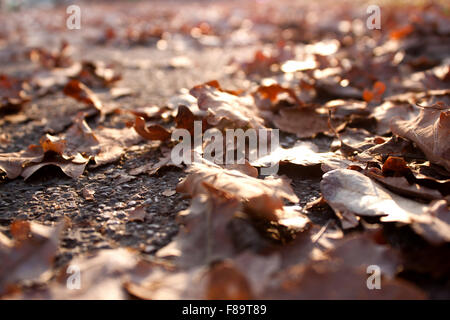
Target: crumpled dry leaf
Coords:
[(72, 168), (80, 92), (430, 130), (271, 92), (153, 132), (52, 59), (12, 94), (243, 277), (12, 163), (97, 75), (103, 145), (30, 256), (361, 251), (213, 83), (402, 186), (72, 151), (49, 152), (237, 111)]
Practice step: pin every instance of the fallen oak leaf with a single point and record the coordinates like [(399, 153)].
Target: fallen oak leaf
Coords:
[(395, 166), (73, 168), (351, 191), (305, 122), (112, 143), (52, 143), (226, 282), (52, 59), (80, 92), (12, 163), (396, 147), (402, 186), (97, 75), (385, 112), (28, 258), (213, 83), (103, 145), (272, 92), (303, 154), (103, 276), (340, 266), (72, 152), (204, 236), (54, 154), (237, 111), (362, 251), (12, 94), (239, 184), (185, 119), (430, 131)]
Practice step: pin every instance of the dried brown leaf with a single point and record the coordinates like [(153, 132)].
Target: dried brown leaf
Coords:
[(430, 130)]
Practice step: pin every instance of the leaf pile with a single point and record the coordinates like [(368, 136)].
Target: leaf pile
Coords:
[(363, 116)]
